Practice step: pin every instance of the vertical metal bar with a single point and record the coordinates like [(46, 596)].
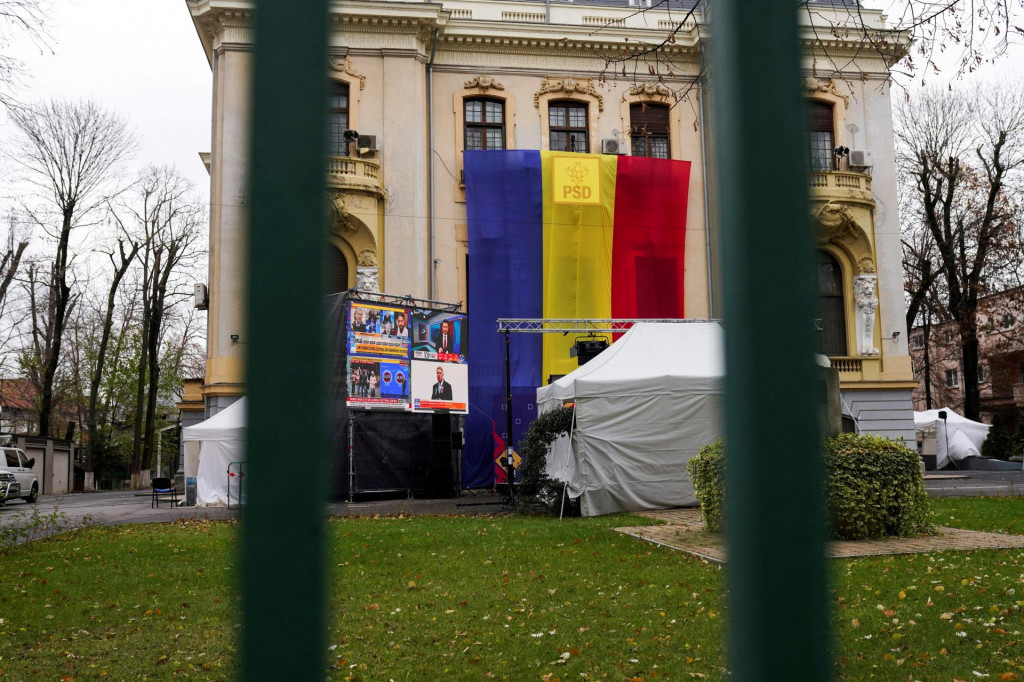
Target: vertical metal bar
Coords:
[(510, 469), (351, 457), (775, 499), (282, 545)]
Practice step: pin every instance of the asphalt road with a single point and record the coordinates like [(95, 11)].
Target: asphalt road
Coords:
[(112, 508)]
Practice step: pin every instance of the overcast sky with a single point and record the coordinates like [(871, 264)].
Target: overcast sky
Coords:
[(139, 58), (142, 58)]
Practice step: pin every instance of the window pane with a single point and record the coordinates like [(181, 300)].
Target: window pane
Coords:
[(495, 138), (338, 124), (474, 138), (559, 141), (581, 143), (821, 146), (337, 102), (639, 146), (557, 116), (659, 147), (495, 113), (578, 117), (474, 111)]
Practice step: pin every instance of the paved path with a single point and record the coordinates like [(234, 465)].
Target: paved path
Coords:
[(683, 531)]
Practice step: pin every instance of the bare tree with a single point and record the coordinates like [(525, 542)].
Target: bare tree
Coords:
[(167, 218), (120, 267), (25, 19), (69, 151), (957, 152), (10, 259)]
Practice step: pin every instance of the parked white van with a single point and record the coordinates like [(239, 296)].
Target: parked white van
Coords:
[(14, 461)]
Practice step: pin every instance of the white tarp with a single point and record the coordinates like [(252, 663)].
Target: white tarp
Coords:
[(644, 406), (957, 437), (222, 440)]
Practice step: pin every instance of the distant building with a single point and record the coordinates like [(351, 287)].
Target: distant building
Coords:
[(19, 408), (938, 365)]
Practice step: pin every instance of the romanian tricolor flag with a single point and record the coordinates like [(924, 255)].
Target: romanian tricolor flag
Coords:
[(561, 235)]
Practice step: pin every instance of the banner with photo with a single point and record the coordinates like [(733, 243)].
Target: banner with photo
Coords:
[(441, 336), (378, 330), (440, 385), (375, 383)]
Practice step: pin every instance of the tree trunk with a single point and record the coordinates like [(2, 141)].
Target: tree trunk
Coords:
[(61, 293), (101, 355)]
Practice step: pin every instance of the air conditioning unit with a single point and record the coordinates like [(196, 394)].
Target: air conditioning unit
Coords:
[(861, 158), (367, 143), (202, 297), (613, 145)]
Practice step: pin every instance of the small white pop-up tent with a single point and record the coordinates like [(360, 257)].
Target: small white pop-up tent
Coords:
[(956, 437), (221, 440), (644, 406)]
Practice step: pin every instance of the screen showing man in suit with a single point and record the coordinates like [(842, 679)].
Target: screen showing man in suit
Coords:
[(440, 335), (440, 386)]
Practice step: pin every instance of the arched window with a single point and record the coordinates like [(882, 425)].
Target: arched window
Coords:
[(831, 306), (648, 124), (337, 271), (484, 124), (337, 116)]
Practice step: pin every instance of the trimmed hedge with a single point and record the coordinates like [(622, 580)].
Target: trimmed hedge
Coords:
[(534, 486), (874, 485)]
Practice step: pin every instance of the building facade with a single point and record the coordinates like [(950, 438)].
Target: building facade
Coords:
[(935, 350), (417, 83)]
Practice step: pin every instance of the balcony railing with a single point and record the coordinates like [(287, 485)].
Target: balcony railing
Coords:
[(841, 185), (351, 172)]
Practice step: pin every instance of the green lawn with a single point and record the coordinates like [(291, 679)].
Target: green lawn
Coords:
[(493, 598)]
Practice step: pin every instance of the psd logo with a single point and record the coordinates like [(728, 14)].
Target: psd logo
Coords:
[(576, 180)]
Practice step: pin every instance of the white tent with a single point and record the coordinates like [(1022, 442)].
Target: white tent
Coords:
[(644, 406), (956, 437), (222, 441)]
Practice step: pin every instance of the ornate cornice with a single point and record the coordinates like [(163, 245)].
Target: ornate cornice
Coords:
[(649, 90), (345, 66), (569, 86), (484, 82), (815, 85)]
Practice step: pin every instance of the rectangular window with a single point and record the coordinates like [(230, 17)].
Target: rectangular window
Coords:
[(820, 136), (917, 341), (953, 378), (567, 124), (484, 124), (337, 118), (982, 374), (12, 458), (648, 125)]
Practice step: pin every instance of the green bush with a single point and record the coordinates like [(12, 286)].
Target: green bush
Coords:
[(875, 487), (707, 473), (534, 486)]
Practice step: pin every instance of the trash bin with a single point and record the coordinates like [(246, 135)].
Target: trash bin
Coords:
[(190, 491)]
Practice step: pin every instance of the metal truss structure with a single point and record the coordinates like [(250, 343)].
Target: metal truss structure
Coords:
[(575, 326)]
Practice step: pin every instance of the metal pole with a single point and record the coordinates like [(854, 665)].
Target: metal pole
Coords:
[(351, 458), (284, 592), (775, 502), (510, 470)]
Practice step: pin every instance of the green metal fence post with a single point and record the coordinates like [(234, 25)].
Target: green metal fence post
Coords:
[(775, 515), (282, 544)]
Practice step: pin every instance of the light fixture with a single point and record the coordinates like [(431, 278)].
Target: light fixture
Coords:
[(234, 338), (895, 336)]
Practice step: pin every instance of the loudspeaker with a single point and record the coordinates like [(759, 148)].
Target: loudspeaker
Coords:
[(441, 474)]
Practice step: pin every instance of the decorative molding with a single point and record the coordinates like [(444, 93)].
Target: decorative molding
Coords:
[(866, 302), (649, 90), (570, 86), (815, 85), (484, 82), (837, 223), (866, 266), (367, 279), (367, 258), (343, 222), (345, 66)]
